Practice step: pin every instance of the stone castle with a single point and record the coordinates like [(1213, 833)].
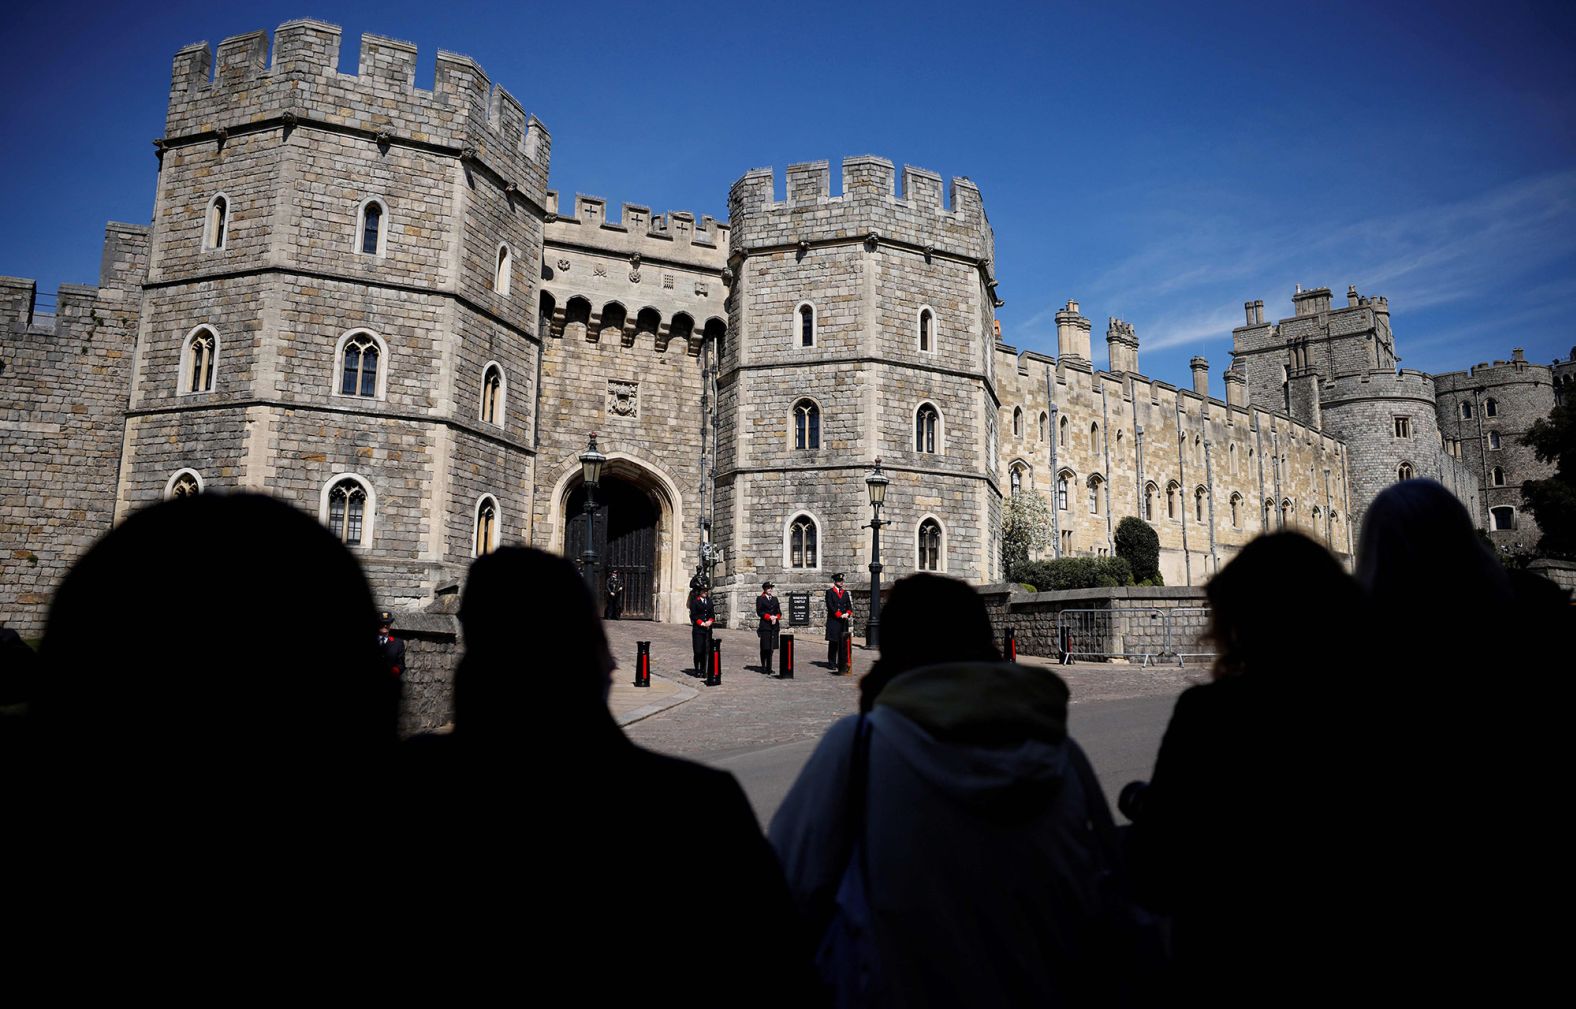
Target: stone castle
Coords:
[(362, 297)]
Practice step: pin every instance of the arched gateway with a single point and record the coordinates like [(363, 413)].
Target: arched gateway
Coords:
[(635, 529)]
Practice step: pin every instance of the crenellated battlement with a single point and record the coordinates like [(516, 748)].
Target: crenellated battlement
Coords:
[(674, 235), (237, 87), (1403, 384), (870, 207)]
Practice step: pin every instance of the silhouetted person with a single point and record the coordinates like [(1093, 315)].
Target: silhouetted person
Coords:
[(592, 858), (212, 731), (972, 808), (1475, 757), (18, 669), (1256, 829)]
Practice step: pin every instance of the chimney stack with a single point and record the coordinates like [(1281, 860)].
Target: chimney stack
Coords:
[(1200, 368), (1072, 335), (1236, 388)]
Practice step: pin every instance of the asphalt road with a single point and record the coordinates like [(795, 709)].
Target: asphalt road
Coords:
[(1121, 737)]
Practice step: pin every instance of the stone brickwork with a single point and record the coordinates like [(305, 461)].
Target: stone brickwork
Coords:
[(1206, 475), (679, 341), (298, 151), (1482, 414), (65, 375), (900, 294), (1333, 369)]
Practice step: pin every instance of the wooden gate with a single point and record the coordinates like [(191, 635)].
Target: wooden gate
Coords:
[(626, 542)]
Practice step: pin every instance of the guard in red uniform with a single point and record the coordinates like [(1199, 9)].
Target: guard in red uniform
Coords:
[(839, 611), (771, 613), (702, 616), (393, 648)]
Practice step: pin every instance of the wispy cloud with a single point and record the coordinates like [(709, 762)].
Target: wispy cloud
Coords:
[(1186, 283)]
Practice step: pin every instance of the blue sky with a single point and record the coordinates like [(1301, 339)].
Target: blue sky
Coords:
[(1160, 162)]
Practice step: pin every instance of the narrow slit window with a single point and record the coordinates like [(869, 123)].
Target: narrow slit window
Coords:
[(371, 228), (218, 222)]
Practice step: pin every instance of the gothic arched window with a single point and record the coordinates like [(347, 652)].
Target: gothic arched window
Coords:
[(348, 511), (926, 421), (806, 425), (358, 364), (199, 355), (486, 526), (492, 395), (801, 542), (930, 545)]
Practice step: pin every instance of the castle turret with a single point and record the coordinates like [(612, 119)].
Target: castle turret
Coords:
[(345, 251), (1072, 335), (1121, 346), (1200, 367), (851, 309)]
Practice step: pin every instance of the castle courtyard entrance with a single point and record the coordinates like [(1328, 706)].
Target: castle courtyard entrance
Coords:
[(625, 536)]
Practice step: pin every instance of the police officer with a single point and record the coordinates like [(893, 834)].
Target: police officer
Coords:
[(393, 648), (839, 611), (701, 618), (771, 613)]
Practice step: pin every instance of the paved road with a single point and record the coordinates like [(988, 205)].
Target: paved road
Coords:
[(763, 728), (1120, 736)]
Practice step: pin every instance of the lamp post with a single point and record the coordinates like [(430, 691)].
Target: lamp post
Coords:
[(591, 463), (876, 482)]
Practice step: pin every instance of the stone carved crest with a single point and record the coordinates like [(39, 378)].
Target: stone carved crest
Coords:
[(599, 270), (701, 289), (621, 398), (667, 281), (634, 276), (563, 266)]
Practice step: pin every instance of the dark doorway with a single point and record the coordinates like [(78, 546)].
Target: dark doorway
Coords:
[(626, 542)]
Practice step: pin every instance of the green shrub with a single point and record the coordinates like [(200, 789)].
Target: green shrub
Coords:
[(1139, 545), (1077, 573)]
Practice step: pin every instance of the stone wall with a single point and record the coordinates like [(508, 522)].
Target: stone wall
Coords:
[(1520, 394), (866, 264), (1206, 475), (61, 421), (432, 653)]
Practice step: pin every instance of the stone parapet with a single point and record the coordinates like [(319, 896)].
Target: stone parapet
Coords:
[(214, 95)]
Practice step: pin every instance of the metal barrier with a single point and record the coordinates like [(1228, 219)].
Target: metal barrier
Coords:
[(1184, 625), (1145, 634)]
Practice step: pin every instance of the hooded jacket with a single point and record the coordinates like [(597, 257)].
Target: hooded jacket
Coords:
[(983, 867)]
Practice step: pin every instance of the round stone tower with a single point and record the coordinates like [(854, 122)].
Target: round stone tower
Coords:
[(862, 330)]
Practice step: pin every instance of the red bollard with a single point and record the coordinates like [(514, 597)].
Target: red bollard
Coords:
[(786, 643), (714, 673), (642, 663), (1009, 645)]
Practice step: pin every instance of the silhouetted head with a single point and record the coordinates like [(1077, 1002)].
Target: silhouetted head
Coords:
[(210, 635), (928, 620), (1280, 605), (532, 638), (1420, 553)]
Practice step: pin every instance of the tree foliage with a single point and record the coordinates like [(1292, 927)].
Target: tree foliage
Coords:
[(1139, 545), (1076, 573), (1553, 501), (1025, 530)]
